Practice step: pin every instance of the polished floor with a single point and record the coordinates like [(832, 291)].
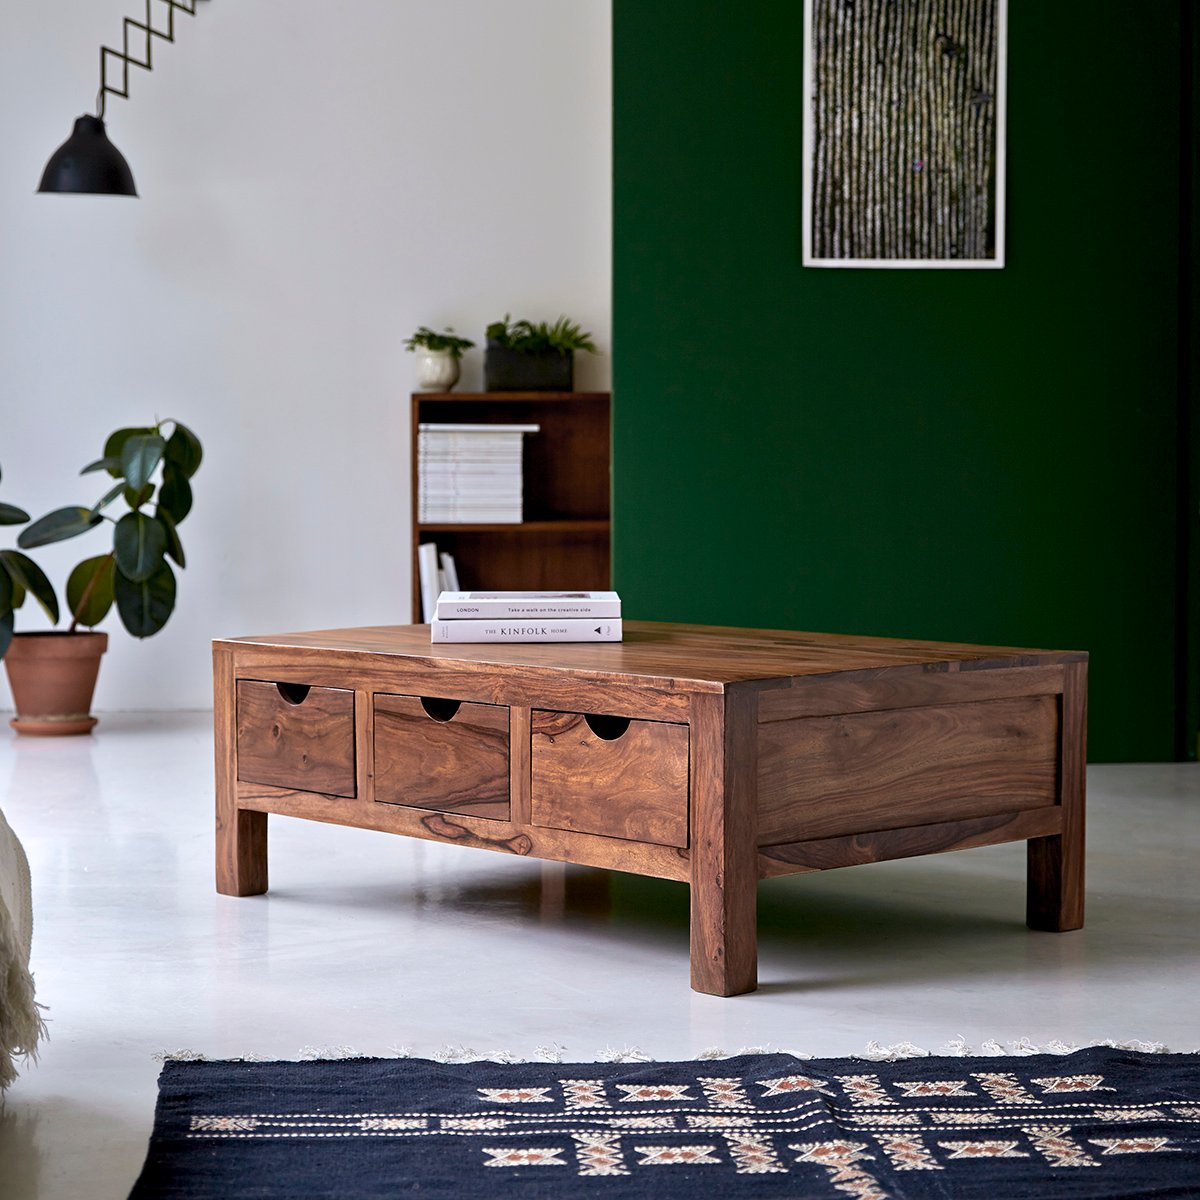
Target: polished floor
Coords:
[(382, 944)]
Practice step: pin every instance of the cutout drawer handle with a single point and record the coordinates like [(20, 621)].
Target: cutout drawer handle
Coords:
[(607, 728), (440, 710), (293, 693)]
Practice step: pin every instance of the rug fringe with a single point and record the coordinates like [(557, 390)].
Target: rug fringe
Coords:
[(451, 1053)]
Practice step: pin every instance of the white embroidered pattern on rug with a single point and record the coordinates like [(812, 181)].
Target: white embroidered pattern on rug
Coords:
[(595, 1127)]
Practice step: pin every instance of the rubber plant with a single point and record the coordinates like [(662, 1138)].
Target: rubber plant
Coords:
[(150, 468), (20, 576)]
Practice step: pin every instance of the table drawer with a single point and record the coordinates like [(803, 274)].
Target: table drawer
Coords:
[(610, 776), (294, 736), (445, 755)]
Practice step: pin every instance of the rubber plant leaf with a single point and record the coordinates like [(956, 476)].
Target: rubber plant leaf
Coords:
[(90, 590), (140, 455), (140, 543), (28, 575), (137, 499), (184, 450), (145, 605), (174, 546), (110, 464), (108, 497), (175, 494), (116, 444), (57, 526)]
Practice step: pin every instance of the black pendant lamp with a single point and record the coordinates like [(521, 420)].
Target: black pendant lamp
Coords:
[(87, 161)]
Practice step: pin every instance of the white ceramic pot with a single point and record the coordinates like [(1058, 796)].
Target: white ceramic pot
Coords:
[(437, 370)]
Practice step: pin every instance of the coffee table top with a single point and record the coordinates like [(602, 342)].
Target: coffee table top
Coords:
[(693, 657)]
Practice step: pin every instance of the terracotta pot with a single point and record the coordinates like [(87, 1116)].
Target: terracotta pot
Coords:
[(53, 677)]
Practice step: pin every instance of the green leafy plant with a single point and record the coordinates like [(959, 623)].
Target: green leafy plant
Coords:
[(19, 577), (135, 573), (430, 340), (526, 337)]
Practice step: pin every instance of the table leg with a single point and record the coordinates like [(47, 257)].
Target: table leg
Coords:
[(241, 835), (724, 878), (1055, 864)]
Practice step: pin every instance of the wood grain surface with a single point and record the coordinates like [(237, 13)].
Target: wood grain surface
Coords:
[(829, 776), (917, 686), (633, 787), (241, 837), (672, 658), (661, 862), (454, 765), (1055, 890), (307, 745), (724, 881), (827, 853)]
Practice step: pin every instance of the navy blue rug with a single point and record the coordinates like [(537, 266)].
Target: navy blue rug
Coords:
[(1099, 1124)]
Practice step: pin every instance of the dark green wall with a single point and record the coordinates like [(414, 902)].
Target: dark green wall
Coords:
[(964, 455)]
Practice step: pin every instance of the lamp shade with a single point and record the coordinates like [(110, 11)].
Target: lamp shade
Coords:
[(88, 162)]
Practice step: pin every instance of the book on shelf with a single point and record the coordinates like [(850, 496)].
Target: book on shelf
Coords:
[(453, 427), (449, 573), (427, 564), (456, 514), (470, 474), (453, 605), (550, 629)]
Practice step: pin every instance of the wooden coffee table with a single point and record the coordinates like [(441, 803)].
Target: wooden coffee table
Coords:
[(714, 756)]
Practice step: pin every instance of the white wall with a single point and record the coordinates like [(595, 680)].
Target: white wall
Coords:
[(316, 180)]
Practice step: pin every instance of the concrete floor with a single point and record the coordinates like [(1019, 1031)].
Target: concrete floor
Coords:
[(380, 943)]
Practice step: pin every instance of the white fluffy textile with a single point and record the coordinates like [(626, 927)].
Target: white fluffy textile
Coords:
[(21, 1024)]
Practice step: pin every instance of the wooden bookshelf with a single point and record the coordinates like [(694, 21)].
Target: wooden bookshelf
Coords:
[(566, 538)]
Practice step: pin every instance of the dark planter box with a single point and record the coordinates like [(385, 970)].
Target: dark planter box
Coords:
[(507, 370)]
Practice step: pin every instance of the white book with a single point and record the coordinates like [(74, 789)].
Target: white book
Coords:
[(427, 563), (455, 605), (450, 571), (550, 629), (467, 427), (458, 516)]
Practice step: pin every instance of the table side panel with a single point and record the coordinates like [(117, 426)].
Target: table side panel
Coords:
[(518, 686), (905, 687), (832, 776), (823, 854), (662, 862)]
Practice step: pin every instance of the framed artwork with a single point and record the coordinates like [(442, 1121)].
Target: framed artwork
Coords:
[(904, 133)]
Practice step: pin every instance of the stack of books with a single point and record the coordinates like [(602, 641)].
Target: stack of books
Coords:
[(527, 617), (470, 474)]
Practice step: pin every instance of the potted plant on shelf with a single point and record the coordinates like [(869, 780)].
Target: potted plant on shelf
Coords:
[(53, 674), (438, 357), (523, 356)]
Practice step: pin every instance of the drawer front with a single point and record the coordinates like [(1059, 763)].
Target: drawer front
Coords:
[(291, 736), (610, 776), (442, 755)]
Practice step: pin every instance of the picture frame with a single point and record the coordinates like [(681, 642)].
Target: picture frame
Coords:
[(904, 133)]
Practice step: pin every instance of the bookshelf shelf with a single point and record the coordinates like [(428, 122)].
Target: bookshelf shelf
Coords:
[(565, 540)]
